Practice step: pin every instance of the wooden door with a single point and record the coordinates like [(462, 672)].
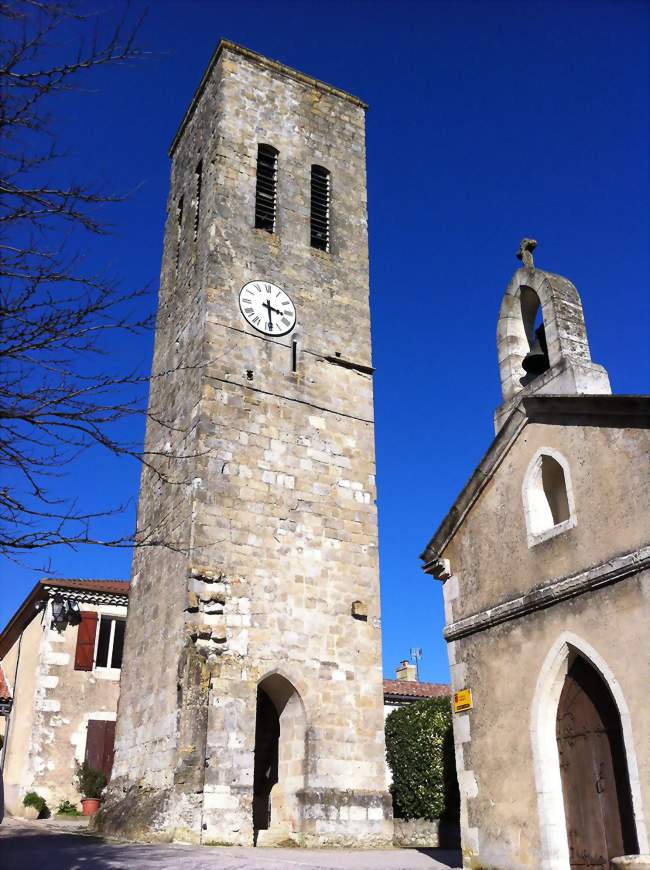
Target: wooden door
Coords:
[(595, 783), (100, 745)]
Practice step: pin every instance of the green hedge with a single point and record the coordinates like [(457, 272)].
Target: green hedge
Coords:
[(420, 753)]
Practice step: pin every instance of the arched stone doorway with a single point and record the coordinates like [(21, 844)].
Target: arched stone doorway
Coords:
[(546, 758), (280, 760), (595, 782)]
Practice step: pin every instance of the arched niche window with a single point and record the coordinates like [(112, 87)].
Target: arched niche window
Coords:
[(266, 189), (548, 496), (320, 208), (536, 361)]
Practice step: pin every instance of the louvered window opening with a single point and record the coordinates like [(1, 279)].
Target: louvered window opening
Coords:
[(320, 208), (266, 192)]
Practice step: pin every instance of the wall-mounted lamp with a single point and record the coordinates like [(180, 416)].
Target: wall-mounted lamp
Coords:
[(74, 614), (59, 611)]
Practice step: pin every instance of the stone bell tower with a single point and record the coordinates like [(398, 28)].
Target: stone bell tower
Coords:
[(541, 338), (251, 698)]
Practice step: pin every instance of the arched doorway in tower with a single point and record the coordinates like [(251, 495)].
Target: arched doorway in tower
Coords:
[(593, 767), (280, 762)]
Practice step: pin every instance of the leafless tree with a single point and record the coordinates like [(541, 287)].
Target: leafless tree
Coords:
[(55, 402)]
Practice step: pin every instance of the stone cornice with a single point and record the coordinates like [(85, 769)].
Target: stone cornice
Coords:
[(552, 593), (226, 45)]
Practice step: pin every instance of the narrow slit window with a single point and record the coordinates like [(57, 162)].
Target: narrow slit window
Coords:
[(179, 232), (198, 180), (266, 191), (320, 208)]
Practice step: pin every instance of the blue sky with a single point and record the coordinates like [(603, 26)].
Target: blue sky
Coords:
[(488, 121)]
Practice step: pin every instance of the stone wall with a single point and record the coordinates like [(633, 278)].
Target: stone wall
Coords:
[(279, 518), (425, 834), (512, 811), (608, 468)]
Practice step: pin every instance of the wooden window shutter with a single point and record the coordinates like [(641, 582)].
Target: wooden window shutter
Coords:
[(83, 657)]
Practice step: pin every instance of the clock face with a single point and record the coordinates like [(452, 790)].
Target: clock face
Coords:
[(267, 308)]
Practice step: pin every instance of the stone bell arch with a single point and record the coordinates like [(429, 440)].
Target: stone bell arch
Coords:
[(552, 358)]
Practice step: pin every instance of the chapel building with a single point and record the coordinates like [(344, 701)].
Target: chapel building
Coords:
[(251, 706), (545, 563)]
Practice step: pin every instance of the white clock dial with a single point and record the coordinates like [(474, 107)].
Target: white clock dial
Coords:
[(267, 308)]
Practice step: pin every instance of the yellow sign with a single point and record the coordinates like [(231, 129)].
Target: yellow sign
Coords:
[(463, 700)]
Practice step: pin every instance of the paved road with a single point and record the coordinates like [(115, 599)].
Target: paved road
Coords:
[(45, 845)]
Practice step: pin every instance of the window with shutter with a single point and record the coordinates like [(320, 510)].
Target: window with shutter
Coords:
[(266, 191), (85, 651)]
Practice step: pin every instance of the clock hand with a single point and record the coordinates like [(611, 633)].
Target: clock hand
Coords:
[(269, 309)]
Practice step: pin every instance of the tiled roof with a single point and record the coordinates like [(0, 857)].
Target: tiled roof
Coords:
[(90, 591), (5, 694), (119, 587), (413, 689)]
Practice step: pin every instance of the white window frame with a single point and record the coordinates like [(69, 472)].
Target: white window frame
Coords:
[(535, 538), (108, 670)]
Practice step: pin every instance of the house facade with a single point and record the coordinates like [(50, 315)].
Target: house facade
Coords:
[(405, 689), (545, 564), (61, 655)]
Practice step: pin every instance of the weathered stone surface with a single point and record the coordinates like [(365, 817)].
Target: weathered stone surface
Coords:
[(274, 519), (571, 370), (425, 833), (524, 602)]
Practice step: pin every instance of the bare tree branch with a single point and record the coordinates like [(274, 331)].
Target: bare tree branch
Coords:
[(55, 315)]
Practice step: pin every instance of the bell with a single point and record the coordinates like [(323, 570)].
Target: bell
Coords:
[(536, 360)]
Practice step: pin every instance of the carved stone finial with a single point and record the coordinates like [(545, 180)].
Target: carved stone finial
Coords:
[(525, 252)]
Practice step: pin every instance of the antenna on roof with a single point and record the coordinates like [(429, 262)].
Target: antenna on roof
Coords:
[(416, 655)]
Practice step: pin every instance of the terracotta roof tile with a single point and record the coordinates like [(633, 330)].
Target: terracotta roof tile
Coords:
[(5, 694), (413, 689), (119, 587), (88, 589)]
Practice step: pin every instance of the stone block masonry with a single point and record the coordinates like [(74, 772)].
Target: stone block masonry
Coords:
[(251, 701)]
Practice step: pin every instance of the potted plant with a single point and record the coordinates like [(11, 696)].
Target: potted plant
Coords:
[(34, 804), (91, 783)]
